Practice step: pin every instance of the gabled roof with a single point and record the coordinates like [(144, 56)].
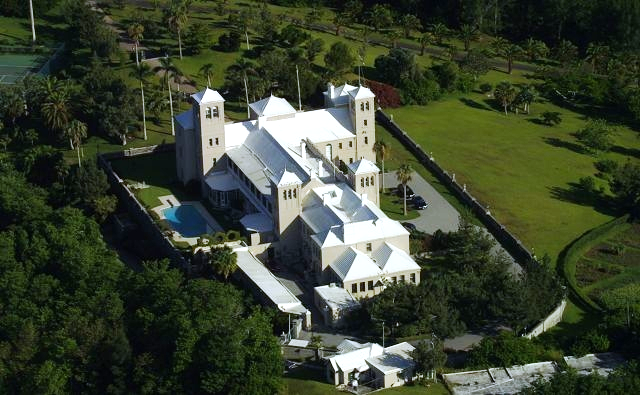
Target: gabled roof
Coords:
[(394, 359), (288, 178), (353, 265), (392, 259), (206, 96), (343, 90), (355, 359), (361, 92), (363, 166), (272, 106)]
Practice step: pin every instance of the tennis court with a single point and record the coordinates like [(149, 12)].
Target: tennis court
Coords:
[(14, 67)]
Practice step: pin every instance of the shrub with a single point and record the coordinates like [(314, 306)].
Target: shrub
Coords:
[(164, 225), (465, 82), (219, 237), (386, 95), (592, 342), (551, 118), (154, 216), (587, 184), (229, 42), (233, 235), (486, 87), (606, 166)]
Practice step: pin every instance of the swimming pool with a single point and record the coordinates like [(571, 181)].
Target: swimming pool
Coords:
[(186, 220)]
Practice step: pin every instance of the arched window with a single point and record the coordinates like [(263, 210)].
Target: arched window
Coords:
[(284, 195), (289, 193), (367, 181), (216, 114), (294, 193), (207, 112), (362, 182), (367, 106), (361, 106), (372, 178)]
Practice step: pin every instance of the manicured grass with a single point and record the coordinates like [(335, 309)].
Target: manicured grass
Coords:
[(524, 171), (392, 205)]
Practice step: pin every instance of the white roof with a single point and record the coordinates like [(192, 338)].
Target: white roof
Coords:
[(350, 345), (236, 133), (257, 222), (392, 259), (337, 298), (361, 92), (288, 178), (340, 94), (221, 181), (355, 359), (354, 265), (298, 343), (185, 119), (394, 359), (363, 166), (272, 106), (206, 96), (284, 299), (251, 167)]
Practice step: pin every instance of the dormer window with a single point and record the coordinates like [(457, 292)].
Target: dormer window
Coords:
[(208, 113)]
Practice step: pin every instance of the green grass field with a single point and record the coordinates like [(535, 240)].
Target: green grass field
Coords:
[(392, 205)]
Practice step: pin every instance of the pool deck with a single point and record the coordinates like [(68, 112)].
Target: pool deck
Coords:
[(171, 201)]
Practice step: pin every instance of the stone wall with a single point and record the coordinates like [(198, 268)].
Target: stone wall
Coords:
[(552, 320)]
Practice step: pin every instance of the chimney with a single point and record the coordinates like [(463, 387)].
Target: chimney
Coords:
[(320, 169), (325, 199), (261, 122), (330, 90), (303, 150)]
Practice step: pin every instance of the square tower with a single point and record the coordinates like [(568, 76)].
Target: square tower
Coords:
[(363, 178), (363, 120), (208, 109)]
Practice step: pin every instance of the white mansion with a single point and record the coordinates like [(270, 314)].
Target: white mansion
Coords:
[(280, 171)]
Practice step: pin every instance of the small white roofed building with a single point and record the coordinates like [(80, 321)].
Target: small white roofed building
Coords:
[(372, 365), (303, 184), (334, 302)]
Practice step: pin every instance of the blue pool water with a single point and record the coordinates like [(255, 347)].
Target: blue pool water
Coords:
[(186, 220)]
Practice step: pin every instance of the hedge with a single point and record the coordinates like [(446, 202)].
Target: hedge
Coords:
[(570, 256)]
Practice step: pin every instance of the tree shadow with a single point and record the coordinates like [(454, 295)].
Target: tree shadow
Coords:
[(474, 104), (537, 121), (577, 195), (556, 142), (494, 105), (630, 152)]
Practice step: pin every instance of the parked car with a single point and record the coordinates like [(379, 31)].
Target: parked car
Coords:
[(409, 226), (410, 193), (419, 203)]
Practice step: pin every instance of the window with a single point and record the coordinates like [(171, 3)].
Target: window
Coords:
[(284, 195), (365, 122), (354, 288), (367, 180), (366, 140), (350, 160), (340, 145), (372, 178), (402, 278), (412, 277), (294, 193), (210, 142), (289, 194), (366, 106), (350, 144), (207, 112), (370, 285), (362, 182), (394, 280), (361, 106), (215, 161), (368, 247), (362, 289), (218, 141), (215, 111)]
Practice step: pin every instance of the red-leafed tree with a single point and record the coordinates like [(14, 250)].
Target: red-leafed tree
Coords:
[(386, 95)]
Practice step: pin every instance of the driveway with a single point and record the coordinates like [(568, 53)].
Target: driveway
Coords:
[(440, 214)]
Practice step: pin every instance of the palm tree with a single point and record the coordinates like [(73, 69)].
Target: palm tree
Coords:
[(468, 34), (506, 50), (393, 35), (33, 23), (55, 109), (382, 150), (207, 71), (341, 19), (404, 176), (526, 96), (142, 72), (597, 54), (440, 31), (168, 68), (505, 93), (410, 22), (223, 261), (77, 131), (177, 16), (535, 49), (135, 33), (425, 40)]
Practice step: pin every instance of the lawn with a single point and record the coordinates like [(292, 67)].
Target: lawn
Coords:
[(522, 170), (392, 205), (303, 381)]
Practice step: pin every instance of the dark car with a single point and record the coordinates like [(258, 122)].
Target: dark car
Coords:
[(409, 226), (410, 193), (419, 203)]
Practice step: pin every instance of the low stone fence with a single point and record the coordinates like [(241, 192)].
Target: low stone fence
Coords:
[(138, 213), (552, 320), (510, 243), (149, 149)]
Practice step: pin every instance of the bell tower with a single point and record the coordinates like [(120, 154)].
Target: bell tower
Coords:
[(363, 179), (209, 113), (363, 120)]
